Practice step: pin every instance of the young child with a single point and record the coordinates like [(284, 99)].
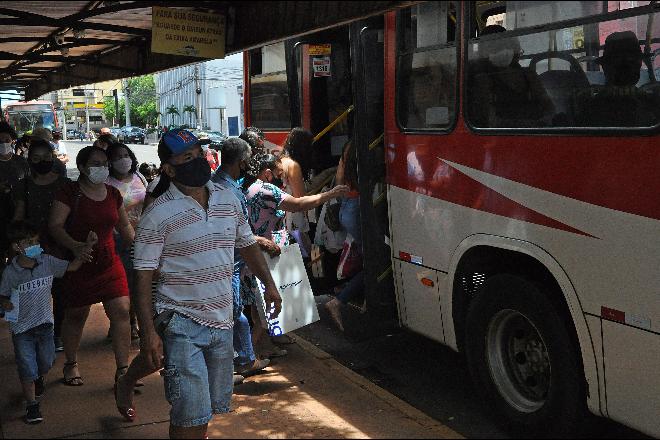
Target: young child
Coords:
[(30, 277)]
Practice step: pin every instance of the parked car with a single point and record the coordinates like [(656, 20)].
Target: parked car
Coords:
[(72, 133), (131, 135), (216, 136)]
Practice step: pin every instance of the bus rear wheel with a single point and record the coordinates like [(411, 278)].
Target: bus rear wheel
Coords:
[(523, 360)]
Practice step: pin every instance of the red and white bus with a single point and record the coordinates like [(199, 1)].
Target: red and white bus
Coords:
[(508, 188), (26, 116)]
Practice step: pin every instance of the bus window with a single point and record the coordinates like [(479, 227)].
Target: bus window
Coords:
[(556, 77), (269, 94), (426, 66)]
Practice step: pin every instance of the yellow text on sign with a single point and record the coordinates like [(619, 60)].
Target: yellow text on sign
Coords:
[(320, 49), (189, 33)]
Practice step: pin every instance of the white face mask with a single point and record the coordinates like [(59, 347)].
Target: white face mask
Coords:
[(5, 148), (98, 174), (501, 58), (123, 166)]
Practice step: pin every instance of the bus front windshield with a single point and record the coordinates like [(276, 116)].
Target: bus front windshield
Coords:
[(24, 121)]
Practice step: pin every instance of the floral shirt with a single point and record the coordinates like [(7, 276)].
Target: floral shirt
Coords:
[(263, 201), (133, 193)]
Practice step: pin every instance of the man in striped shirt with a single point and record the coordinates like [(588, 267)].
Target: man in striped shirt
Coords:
[(189, 234)]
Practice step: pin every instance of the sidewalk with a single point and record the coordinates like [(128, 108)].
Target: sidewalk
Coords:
[(304, 395)]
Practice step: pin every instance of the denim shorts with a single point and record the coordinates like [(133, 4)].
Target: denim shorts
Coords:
[(34, 351), (198, 371)]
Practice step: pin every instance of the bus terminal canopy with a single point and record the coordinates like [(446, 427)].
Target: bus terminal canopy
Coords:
[(51, 45)]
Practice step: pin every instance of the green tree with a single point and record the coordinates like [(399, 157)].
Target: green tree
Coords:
[(109, 110), (143, 102), (192, 112), (172, 110)]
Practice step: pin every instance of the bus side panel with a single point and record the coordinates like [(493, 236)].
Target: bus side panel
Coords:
[(422, 296), (632, 358)]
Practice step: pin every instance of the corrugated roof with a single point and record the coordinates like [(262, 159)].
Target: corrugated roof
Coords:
[(50, 45)]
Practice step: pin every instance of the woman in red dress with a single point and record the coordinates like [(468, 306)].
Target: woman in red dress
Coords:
[(81, 208)]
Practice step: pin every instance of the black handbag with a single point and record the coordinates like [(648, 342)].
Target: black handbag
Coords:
[(332, 216)]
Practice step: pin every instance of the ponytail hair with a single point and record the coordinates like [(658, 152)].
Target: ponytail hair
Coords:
[(256, 165)]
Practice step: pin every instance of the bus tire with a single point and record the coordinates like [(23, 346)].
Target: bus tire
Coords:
[(522, 359)]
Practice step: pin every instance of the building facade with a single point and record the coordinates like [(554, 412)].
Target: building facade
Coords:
[(213, 88)]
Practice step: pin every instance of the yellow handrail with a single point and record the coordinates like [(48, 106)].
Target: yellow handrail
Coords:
[(337, 120), (376, 141)]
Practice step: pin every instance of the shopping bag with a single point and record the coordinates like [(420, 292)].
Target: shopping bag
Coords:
[(298, 304), (333, 241), (332, 215), (350, 261), (303, 240)]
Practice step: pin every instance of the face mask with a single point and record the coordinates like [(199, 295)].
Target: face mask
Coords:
[(194, 173), (5, 148), (98, 174), (43, 167), (33, 251), (501, 58), (277, 181), (123, 166)]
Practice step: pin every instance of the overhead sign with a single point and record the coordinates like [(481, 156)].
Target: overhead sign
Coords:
[(320, 49), (321, 66), (190, 33), (97, 105)]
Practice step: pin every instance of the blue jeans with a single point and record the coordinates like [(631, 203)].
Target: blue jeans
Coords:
[(242, 331), (352, 288), (34, 351), (198, 372), (349, 217)]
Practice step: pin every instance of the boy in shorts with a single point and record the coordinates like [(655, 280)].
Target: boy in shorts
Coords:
[(26, 285)]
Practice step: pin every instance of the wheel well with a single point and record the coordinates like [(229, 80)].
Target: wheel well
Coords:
[(481, 262)]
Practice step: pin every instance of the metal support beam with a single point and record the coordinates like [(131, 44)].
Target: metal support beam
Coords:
[(43, 21)]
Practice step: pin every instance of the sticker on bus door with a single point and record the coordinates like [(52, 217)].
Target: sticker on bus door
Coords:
[(321, 66)]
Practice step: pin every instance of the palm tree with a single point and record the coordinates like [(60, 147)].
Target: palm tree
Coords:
[(172, 110), (158, 115), (191, 109)]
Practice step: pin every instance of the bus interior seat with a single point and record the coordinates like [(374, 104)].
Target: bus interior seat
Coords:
[(563, 87)]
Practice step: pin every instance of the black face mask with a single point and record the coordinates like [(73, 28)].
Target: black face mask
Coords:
[(278, 182), (43, 167), (194, 173)]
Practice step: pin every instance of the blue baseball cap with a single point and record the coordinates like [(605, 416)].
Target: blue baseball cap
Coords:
[(179, 141)]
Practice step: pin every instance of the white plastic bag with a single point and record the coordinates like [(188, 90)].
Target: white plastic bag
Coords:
[(298, 304)]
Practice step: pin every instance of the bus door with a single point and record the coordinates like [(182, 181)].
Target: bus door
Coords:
[(336, 85), (319, 74), (367, 57)]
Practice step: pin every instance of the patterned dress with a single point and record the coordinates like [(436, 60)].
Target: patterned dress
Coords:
[(266, 220)]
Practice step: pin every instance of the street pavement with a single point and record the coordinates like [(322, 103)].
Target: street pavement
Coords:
[(304, 395)]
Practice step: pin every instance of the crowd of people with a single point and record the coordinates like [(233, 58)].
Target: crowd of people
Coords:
[(172, 253)]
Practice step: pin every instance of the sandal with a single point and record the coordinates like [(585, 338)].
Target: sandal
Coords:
[(126, 411), (138, 384), (71, 381)]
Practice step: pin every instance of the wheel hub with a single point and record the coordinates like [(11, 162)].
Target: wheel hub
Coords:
[(518, 360)]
